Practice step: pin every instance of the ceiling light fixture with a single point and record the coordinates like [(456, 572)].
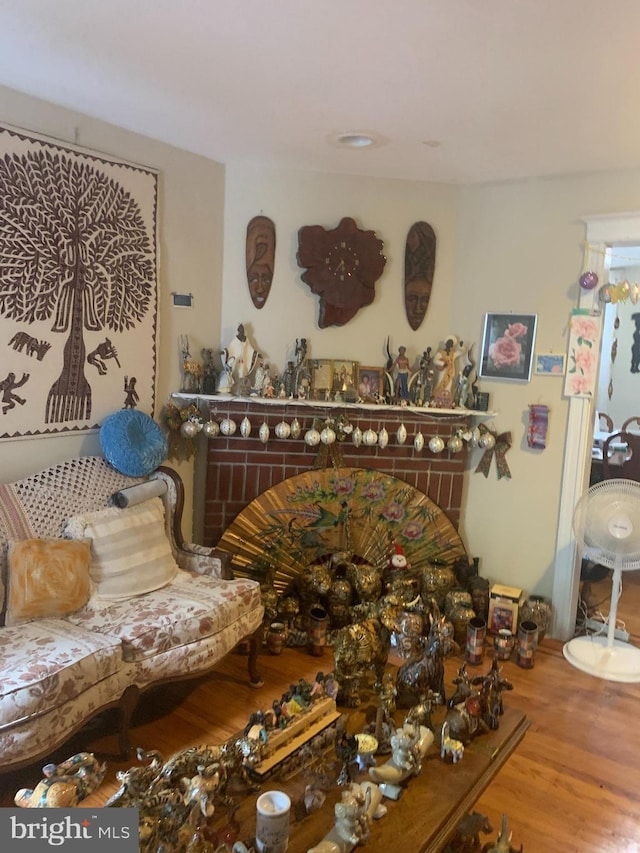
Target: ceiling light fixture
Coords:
[(355, 139)]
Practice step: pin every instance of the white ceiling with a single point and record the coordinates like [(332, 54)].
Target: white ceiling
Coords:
[(460, 91)]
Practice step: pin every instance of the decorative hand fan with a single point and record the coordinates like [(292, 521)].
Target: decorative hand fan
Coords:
[(314, 514), (607, 522)]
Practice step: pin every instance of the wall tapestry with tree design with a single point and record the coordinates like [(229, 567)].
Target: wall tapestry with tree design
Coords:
[(78, 286)]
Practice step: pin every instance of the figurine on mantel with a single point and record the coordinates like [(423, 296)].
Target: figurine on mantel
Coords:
[(401, 375), (445, 361), (240, 357)]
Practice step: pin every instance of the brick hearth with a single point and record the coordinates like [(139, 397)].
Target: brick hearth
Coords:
[(239, 468)]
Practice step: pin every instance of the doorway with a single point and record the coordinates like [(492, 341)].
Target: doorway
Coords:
[(602, 233)]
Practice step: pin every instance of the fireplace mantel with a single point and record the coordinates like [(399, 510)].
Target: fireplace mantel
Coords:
[(241, 467)]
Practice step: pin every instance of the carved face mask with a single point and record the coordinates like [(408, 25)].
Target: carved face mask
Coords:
[(260, 254), (419, 265)]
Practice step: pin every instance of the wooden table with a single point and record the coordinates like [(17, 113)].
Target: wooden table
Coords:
[(432, 804)]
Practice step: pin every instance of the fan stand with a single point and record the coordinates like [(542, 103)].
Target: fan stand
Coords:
[(604, 656)]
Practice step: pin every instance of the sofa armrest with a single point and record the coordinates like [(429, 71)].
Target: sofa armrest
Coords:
[(205, 561)]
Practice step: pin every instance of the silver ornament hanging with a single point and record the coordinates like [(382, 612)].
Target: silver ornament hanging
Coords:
[(418, 442), (312, 437), (283, 430), (436, 444), (211, 429), (227, 426), (327, 436), (296, 429), (369, 437), (356, 437), (245, 427), (454, 444), (383, 438), (401, 434), (263, 432)]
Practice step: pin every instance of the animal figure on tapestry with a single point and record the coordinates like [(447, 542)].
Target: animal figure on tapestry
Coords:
[(32, 346), (65, 784), (7, 387), (449, 746), (424, 671), (104, 351)]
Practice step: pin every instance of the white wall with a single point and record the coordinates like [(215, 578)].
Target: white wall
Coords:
[(510, 247), (191, 200)]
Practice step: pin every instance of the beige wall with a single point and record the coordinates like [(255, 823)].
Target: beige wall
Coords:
[(510, 247), (294, 199), (191, 226)]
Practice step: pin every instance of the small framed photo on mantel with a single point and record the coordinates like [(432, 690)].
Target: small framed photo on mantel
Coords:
[(507, 346)]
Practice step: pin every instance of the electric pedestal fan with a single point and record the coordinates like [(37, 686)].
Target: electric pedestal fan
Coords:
[(607, 523)]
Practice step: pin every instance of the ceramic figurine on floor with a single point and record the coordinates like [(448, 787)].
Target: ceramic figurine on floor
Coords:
[(65, 784), (503, 842)]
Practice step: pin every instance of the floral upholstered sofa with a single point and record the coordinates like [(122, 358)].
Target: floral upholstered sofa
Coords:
[(102, 600)]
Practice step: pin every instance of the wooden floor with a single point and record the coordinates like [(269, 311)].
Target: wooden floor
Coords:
[(572, 785)]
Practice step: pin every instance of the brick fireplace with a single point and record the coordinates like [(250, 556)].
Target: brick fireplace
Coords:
[(241, 468)]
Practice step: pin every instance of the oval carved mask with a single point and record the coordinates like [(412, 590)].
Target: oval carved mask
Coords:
[(261, 250), (419, 265)]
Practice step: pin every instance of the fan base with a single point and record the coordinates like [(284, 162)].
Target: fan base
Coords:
[(593, 655)]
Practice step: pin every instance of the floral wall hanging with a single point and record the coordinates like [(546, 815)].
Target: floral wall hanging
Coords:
[(581, 378)]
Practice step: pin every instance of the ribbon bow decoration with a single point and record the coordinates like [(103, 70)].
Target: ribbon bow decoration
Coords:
[(501, 443)]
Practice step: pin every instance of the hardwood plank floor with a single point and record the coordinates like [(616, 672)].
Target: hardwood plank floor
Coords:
[(572, 785)]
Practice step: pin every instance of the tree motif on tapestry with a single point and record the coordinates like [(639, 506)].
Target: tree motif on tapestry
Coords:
[(73, 249)]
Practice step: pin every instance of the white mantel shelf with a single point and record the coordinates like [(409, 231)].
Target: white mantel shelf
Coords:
[(427, 411)]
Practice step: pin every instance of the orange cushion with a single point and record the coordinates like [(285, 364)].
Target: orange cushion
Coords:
[(46, 577)]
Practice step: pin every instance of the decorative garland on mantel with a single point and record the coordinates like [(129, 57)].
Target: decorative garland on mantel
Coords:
[(328, 433)]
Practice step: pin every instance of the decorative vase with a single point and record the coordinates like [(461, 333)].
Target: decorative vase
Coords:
[(458, 608), (276, 636), (317, 630), (527, 644), (537, 609), (503, 644)]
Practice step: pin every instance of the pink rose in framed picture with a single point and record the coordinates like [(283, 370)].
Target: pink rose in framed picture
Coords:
[(507, 346)]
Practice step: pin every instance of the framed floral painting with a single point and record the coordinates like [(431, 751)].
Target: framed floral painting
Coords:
[(507, 346)]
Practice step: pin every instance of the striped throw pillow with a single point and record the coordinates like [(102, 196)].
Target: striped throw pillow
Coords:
[(130, 550)]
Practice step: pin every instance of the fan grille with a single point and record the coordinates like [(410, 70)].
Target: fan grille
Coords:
[(607, 521)]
